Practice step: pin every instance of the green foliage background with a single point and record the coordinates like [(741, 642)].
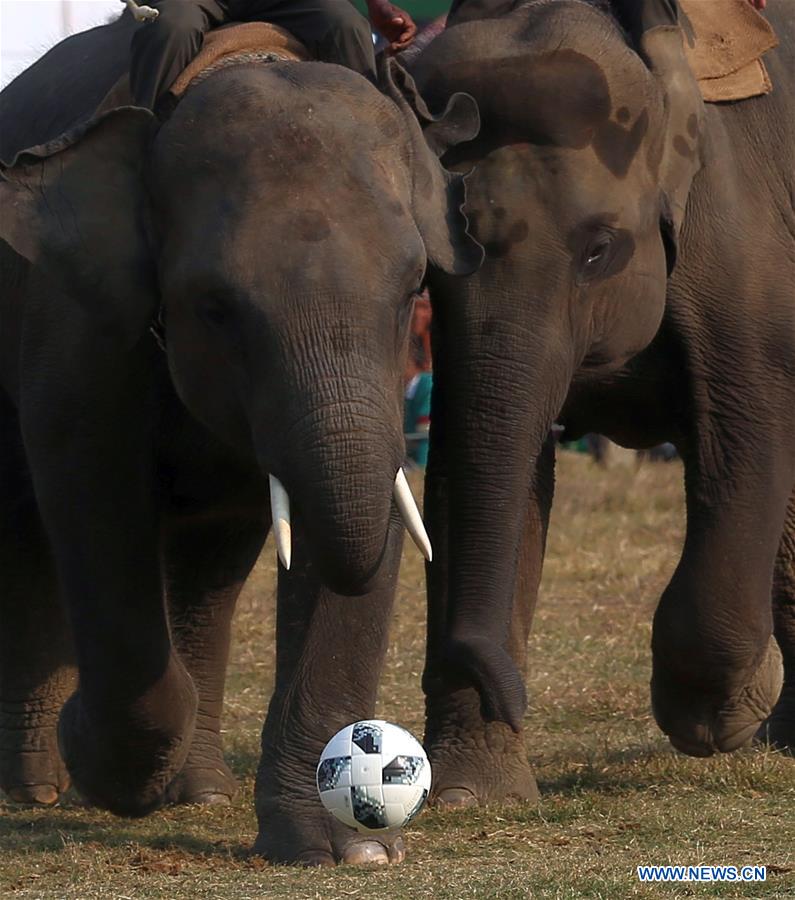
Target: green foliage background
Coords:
[(419, 10)]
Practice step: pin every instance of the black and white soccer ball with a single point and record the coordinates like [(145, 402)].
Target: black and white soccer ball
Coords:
[(374, 776)]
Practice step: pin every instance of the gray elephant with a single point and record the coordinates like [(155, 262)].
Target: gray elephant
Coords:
[(620, 298), (278, 225)]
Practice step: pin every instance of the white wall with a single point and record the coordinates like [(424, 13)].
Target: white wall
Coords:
[(30, 27)]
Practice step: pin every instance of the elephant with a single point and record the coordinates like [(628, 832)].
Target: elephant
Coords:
[(637, 283), (203, 328)]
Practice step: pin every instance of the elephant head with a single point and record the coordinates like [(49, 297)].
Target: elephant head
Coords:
[(279, 224), (576, 195)]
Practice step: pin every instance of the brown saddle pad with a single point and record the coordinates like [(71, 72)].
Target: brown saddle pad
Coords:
[(730, 37), (240, 42)]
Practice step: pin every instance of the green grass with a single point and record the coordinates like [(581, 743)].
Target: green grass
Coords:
[(614, 794)]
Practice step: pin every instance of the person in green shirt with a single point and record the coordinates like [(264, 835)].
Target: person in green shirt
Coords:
[(417, 408)]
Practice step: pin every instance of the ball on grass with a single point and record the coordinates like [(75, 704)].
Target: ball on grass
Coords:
[(374, 776)]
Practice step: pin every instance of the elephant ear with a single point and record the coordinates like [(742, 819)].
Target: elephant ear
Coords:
[(74, 207), (681, 153), (459, 122), (438, 196)]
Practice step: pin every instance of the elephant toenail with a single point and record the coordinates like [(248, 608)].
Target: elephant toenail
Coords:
[(397, 851), (210, 798), (366, 853), (455, 798), (37, 794), (315, 858)]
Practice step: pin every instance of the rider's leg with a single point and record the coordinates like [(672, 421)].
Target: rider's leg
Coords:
[(163, 48)]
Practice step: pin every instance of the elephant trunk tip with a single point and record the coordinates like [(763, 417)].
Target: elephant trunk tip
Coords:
[(493, 673)]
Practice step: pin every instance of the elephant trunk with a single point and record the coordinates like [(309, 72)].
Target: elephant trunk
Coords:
[(340, 490), (335, 476), (504, 383)]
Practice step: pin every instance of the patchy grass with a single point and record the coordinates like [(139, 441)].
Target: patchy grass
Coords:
[(614, 794)]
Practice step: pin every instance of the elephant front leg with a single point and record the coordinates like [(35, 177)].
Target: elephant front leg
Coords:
[(36, 671), (779, 729), (330, 652), (87, 415), (206, 564), (474, 760), (716, 667)]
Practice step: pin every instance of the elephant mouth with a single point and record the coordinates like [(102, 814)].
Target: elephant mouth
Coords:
[(401, 493)]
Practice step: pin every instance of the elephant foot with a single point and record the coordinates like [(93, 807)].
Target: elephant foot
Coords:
[(304, 834), (778, 731), (358, 851), (208, 785), (474, 762), (125, 764), (295, 829), (700, 724), (205, 778), (31, 769), (462, 785)]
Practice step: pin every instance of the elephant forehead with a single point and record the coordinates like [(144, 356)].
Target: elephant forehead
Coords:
[(561, 98), (282, 225), (289, 149)]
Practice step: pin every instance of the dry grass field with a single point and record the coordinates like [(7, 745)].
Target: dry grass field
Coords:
[(614, 794)]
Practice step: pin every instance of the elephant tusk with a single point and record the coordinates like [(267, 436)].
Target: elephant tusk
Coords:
[(280, 512), (141, 13), (411, 515)]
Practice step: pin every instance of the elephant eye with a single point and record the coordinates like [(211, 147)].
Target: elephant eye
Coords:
[(596, 253), (596, 256), (599, 249)]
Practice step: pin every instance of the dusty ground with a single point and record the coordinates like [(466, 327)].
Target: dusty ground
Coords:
[(614, 794)]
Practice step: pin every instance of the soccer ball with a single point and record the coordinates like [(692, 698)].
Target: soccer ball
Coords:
[(373, 776)]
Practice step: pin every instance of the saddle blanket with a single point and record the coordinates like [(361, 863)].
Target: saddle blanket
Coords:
[(237, 43), (725, 49)]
